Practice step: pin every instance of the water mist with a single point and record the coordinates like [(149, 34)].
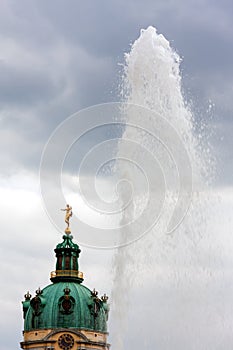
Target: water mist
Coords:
[(162, 267)]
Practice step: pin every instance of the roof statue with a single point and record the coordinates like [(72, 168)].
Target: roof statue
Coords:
[(68, 215)]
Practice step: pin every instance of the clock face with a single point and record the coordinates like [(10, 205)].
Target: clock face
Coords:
[(66, 341)]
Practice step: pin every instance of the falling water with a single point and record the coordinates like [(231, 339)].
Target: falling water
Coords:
[(158, 279)]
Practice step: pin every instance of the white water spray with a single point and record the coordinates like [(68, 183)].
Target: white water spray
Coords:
[(158, 263)]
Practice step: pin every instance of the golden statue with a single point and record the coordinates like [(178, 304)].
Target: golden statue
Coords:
[(69, 213)]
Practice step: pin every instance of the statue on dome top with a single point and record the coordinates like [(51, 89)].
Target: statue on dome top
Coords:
[(68, 215)]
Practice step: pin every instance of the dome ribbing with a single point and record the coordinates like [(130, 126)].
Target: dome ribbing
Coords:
[(66, 303)]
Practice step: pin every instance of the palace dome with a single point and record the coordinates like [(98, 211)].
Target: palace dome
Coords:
[(66, 303)]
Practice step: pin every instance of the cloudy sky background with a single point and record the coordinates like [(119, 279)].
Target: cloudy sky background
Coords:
[(58, 57)]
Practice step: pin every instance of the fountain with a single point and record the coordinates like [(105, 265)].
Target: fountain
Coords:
[(162, 267)]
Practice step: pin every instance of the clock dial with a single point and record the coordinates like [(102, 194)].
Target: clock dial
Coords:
[(66, 341)]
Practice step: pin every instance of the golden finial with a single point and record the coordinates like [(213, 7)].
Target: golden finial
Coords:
[(27, 296), (69, 213), (104, 298)]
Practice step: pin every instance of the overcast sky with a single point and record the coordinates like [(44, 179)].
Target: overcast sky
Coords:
[(58, 57)]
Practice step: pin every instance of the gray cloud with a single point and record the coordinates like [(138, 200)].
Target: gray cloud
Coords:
[(58, 59)]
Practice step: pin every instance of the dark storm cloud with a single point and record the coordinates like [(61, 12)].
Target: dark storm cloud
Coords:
[(21, 86), (58, 57)]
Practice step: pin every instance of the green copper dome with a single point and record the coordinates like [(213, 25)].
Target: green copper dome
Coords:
[(66, 303)]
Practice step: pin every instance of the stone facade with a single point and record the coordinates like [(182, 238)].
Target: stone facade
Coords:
[(66, 339)]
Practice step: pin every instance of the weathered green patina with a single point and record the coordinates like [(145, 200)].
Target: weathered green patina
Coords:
[(67, 267), (66, 303), (76, 309)]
